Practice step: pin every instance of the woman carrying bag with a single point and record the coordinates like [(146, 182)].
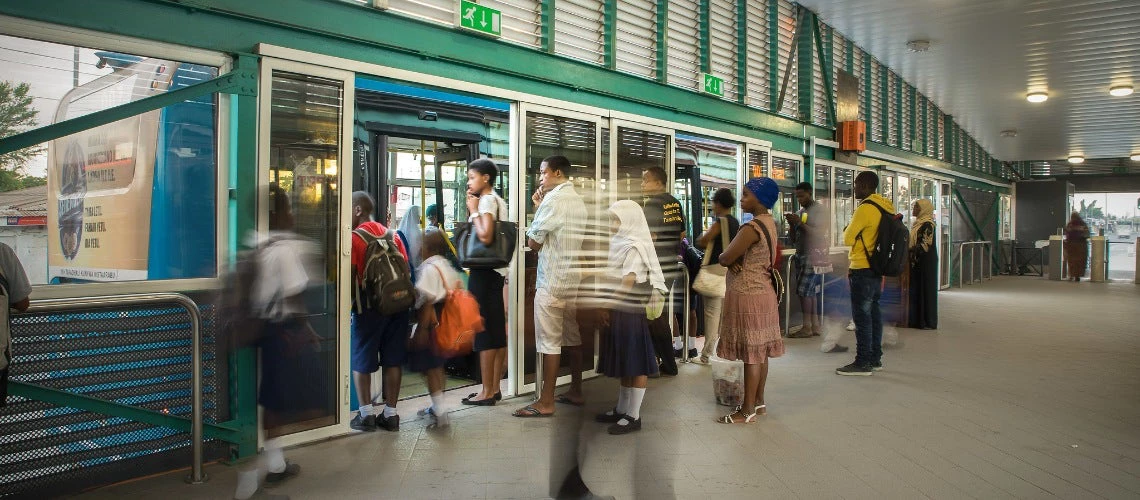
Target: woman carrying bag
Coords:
[(710, 282), (751, 320)]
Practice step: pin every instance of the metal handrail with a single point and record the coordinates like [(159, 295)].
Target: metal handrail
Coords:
[(987, 250), (197, 476), (685, 358)]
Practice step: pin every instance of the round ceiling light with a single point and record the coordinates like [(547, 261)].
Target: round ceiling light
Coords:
[(1134, 157), (1009, 133), (1037, 97), (1120, 90), (1076, 159)]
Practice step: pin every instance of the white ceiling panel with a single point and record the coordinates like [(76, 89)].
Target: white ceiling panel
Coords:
[(987, 54)]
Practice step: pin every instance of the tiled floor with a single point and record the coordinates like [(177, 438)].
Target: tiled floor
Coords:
[(1031, 389)]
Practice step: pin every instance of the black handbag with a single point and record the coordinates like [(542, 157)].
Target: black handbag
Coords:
[(473, 254)]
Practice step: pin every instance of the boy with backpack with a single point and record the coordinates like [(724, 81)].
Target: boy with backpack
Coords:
[(383, 295), (878, 248)]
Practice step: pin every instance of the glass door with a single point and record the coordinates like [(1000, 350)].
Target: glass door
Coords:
[(549, 132), (304, 138)]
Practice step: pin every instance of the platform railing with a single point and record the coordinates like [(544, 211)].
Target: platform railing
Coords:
[(685, 333), (197, 475), (982, 253)]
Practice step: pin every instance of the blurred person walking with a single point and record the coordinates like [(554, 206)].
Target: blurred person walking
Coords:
[(289, 347), (436, 278)]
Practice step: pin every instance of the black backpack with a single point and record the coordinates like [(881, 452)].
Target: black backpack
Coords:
[(889, 255), (385, 282)]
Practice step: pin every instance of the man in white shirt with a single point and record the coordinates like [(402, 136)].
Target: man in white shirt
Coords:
[(556, 234)]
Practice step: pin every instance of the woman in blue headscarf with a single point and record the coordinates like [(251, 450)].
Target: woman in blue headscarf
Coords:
[(750, 325)]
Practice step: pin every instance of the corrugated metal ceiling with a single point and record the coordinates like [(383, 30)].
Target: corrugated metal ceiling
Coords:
[(987, 54)]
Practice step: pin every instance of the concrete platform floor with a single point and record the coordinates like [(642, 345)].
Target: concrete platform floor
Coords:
[(1031, 389)]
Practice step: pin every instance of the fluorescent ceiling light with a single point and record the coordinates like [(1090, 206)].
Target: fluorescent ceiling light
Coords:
[(1134, 157), (1121, 90), (1076, 159), (1037, 97)]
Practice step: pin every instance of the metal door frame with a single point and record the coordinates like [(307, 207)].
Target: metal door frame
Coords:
[(347, 132), (518, 206)]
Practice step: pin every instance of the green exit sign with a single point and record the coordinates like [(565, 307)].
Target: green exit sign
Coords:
[(713, 85), (476, 17)]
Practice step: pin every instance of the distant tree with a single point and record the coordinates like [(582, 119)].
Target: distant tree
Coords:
[(16, 115)]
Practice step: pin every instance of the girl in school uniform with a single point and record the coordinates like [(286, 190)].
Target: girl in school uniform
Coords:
[(627, 350)]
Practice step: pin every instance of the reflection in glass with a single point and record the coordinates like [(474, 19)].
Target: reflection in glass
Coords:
[(844, 201), (304, 138), (577, 140), (717, 163)]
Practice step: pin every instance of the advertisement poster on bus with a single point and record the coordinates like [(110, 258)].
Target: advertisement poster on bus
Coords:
[(99, 185)]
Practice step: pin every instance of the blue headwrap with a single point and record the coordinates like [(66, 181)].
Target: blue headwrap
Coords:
[(765, 190)]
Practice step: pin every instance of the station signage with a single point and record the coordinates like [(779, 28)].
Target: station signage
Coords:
[(713, 85), (482, 19)]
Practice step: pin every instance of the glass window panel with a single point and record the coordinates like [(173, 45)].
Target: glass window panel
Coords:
[(717, 160), (844, 202), (134, 199)]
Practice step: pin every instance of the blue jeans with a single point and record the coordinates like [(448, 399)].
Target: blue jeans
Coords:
[(866, 288)]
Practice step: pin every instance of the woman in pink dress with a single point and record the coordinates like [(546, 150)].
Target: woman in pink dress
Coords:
[(750, 326)]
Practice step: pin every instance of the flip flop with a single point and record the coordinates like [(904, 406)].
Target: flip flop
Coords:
[(567, 401), (530, 412)]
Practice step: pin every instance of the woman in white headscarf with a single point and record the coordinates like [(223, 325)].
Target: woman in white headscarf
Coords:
[(412, 233), (626, 349)]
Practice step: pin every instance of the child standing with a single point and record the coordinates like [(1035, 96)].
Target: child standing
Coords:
[(627, 350), (435, 277)]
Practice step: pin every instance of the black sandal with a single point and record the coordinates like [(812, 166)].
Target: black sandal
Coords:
[(479, 402)]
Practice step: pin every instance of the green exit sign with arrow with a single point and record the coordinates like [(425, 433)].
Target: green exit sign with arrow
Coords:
[(476, 17), (713, 85)]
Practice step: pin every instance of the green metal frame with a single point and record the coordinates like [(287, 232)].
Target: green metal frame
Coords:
[(898, 111), (977, 228), (825, 66), (662, 41), (705, 31), (741, 51), (773, 56), (239, 82), (84, 402), (546, 28), (868, 81), (912, 110), (850, 62), (887, 105), (805, 32), (609, 28)]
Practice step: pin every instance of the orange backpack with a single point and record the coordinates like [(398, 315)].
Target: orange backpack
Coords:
[(458, 322)]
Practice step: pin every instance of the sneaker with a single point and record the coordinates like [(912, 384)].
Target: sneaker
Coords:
[(439, 420), (276, 477), (426, 412), (854, 370), (851, 326), (877, 367), (693, 353), (836, 348), (677, 353), (391, 424), (366, 424), (631, 425)]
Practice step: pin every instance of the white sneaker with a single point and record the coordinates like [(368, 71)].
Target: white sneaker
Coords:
[(851, 326)]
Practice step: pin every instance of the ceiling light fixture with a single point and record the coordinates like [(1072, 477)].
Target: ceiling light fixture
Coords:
[(1009, 133), (1134, 157), (918, 45), (1076, 159), (1037, 97), (1120, 90)]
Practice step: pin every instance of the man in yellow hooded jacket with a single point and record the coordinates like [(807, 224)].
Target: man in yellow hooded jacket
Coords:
[(866, 285)]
